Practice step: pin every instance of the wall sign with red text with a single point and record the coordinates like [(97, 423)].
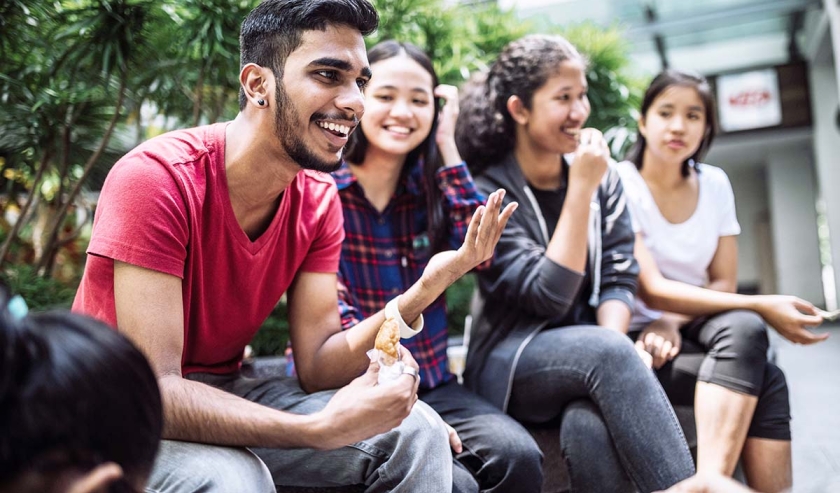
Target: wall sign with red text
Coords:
[(749, 100)]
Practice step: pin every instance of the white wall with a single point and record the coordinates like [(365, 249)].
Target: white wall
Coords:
[(791, 191), (824, 97), (750, 187)]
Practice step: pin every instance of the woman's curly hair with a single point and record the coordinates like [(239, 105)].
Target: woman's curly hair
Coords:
[(486, 132)]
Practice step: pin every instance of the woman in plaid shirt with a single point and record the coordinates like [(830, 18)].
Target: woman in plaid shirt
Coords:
[(407, 195)]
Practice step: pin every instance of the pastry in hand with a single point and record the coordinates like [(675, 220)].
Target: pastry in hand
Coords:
[(387, 341)]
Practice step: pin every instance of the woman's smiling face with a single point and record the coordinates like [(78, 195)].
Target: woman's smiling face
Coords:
[(399, 105), (559, 109)]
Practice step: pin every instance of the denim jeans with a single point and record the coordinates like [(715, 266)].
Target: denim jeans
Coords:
[(617, 428), (497, 451), (413, 457), (190, 467)]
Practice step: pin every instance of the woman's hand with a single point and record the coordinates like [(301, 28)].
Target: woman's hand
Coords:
[(445, 136), (483, 234), (661, 339), (791, 317), (590, 161)]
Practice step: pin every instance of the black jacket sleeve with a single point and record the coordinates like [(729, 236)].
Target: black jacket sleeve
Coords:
[(520, 275), (619, 269)]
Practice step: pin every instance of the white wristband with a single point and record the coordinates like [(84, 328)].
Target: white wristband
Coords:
[(392, 310)]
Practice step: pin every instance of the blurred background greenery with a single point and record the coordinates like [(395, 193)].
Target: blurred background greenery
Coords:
[(84, 81)]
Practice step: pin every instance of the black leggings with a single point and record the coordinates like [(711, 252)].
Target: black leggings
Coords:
[(730, 350)]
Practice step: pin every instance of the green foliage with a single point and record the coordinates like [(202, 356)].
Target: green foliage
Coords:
[(459, 38), (458, 303), (273, 336), (74, 73), (614, 94), (63, 84), (40, 293)]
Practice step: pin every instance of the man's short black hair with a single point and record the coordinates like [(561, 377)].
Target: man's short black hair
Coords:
[(274, 28)]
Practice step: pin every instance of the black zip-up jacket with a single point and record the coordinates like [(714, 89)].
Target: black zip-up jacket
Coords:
[(522, 292)]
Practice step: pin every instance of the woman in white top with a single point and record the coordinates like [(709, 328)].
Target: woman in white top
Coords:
[(709, 346)]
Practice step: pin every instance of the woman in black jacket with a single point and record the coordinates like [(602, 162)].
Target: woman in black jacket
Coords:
[(549, 334)]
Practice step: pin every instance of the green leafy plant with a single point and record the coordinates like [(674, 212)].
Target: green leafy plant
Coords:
[(615, 94), (40, 293)]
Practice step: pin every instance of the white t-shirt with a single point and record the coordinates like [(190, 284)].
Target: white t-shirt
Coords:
[(682, 251)]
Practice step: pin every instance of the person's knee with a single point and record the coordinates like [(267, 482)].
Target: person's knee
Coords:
[(772, 413), (424, 428), (418, 454), (608, 345), (524, 458), (744, 334), (420, 441), (187, 467), (612, 348)]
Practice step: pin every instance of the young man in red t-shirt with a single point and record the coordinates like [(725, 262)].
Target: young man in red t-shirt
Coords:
[(199, 232)]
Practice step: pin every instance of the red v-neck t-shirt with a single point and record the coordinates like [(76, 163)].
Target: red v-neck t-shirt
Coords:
[(165, 206)]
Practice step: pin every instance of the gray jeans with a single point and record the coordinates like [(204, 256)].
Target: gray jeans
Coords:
[(413, 457), (618, 431)]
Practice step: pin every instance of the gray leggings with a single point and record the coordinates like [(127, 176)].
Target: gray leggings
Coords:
[(730, 350)]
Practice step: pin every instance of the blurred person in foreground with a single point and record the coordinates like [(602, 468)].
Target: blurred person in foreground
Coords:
[(68, 422)]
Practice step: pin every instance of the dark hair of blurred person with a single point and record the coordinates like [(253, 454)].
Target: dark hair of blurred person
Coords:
[(80, 409)]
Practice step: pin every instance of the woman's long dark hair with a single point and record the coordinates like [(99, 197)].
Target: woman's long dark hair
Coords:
[(427, 151), (486, 131), (660, 83), (73, 394)]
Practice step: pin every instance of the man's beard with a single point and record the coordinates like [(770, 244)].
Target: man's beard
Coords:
[(285, 123)]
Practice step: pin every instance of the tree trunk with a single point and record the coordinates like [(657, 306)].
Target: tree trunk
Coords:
[(51, 249), (199, 97), (65, 157), (33, 193)]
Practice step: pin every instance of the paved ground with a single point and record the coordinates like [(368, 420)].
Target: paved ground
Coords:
[(813, 373)]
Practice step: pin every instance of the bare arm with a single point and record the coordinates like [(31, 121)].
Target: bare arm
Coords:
[(615, 315), (445, 136), (150, 312), (789, 315), (723, 270), (327, 357), (567, 246)]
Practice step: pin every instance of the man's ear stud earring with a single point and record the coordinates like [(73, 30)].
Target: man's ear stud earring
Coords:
[(261, 102)]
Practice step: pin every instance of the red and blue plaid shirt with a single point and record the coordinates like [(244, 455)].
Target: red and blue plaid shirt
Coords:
[(385, 253)]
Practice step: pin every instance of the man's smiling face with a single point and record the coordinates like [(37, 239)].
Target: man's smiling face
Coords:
[(319, 100)]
